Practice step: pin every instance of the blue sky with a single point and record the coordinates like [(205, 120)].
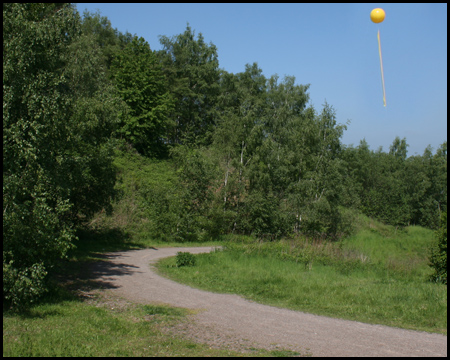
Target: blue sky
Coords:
[(332, 47)]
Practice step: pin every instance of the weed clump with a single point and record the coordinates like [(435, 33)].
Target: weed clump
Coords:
[(185, 259)]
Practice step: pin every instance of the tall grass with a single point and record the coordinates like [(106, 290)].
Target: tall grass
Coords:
[(377, 276)]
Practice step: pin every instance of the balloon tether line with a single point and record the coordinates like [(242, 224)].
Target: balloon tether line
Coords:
[(381, 65)]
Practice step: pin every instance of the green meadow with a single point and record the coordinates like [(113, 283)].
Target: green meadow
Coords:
[(378, 276)]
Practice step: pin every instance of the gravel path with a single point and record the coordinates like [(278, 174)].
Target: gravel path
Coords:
[(230, 320)]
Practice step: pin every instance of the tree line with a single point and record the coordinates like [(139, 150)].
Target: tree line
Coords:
[(252, 155)]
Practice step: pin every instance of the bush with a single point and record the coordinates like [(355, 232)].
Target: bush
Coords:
[(185, 259), (22, 287), (438, 253)]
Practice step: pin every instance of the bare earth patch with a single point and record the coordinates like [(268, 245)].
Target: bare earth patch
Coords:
[(223, 320)]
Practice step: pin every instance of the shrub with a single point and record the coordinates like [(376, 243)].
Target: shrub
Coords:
[(438, 253), (22, 287), (185, 259)]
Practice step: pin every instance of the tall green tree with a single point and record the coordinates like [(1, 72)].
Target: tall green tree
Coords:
[(56, 124), (319, 186), (110, 40), (138, 77), (438, 178), (277, 155), (192, 69), (236, 139), (399, 149), (93, 118), (416, 187)]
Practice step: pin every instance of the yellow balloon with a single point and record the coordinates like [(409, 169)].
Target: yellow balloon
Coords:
[(377, 15)]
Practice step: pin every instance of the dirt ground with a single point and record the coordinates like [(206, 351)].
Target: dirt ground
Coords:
[(223, 320)]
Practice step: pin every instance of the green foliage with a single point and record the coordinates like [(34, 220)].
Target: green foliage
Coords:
[(94, 117), (148, 197), (139, 79), (22, 286), (58, 114), (395, 189), (33, 101), (277, 156), (192, 70), (109, 40), (154, 201), (196, 173), (185, 259), (438, 253)]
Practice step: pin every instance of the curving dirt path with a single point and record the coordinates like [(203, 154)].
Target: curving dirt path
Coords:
[(227, 318)]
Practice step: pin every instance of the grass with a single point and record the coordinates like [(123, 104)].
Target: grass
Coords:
[(76, 328), (378, 276), (72, 328)]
